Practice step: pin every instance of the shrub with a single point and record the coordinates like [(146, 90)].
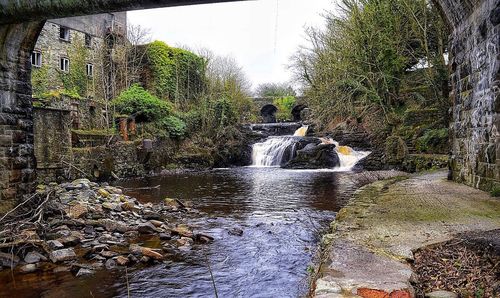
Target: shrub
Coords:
[(175, 127), (285, 106), (433, 141), (495, 191), (140, 103), (224, 113), (193, 120)]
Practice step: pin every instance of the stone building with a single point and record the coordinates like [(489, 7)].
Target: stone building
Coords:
[(69, 60), (69, 53)]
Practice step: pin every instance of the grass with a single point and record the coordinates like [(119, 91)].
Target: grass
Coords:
[(495, 191)]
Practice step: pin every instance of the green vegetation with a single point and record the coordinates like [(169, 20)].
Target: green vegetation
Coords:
[(175, 127), (495, 191), (57, 94), (274, 90), (374, 60), (143, 105), (149, 109), (40, 80), (285, 106), (435, 140), (177, 74), (76, 78)]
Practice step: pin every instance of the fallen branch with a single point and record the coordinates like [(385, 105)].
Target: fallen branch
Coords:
[(18, 206)]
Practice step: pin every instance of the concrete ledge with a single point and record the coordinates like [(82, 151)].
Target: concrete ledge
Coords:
[(374, 236)]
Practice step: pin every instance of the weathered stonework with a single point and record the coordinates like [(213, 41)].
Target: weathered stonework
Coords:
[(52, 49), (475, 80), (16, 124)]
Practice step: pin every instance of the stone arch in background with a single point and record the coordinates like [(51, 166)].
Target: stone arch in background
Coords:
[(297, 112), (268, 113), (475, 88)]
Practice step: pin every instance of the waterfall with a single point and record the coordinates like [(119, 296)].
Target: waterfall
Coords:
[(270, 153), (276, 151), (301, 132), (348, 157)]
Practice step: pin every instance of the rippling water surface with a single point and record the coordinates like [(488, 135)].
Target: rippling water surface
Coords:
[(281, 213)]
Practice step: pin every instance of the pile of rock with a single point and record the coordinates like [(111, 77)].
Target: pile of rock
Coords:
[(86, 226)]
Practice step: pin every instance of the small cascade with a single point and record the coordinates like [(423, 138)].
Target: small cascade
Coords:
[(301, 132), (270, 153), (348, 157), (278, 150)]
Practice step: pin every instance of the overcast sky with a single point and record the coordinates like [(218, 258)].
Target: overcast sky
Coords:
[(261, 34)]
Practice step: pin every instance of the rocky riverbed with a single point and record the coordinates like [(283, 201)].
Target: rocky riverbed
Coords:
[(83, 226)]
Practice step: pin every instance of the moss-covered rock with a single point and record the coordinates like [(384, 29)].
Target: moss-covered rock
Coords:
[(315, 157), (395, 150), (434, 141)]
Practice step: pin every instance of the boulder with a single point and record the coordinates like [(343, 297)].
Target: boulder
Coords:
[(34, 257), (165, 236), (84, 272), (113, 226), (110, 264), (236, 232), (69, 240), (61, 255), (185, 241), (76, 210), (314, 156), (183, 231), (145, 251), (103, 193), (202, 238), (28, 268), (54, 244), (122, 261), (146, 228), (441, 294)]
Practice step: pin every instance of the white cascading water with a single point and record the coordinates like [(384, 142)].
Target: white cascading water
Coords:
[(270, 153)]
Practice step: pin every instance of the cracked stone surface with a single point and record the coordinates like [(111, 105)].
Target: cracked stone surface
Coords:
[(375, 234)]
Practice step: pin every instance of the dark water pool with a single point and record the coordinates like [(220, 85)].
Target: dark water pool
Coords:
[(281, 213)]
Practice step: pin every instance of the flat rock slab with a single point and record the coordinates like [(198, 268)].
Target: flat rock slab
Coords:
[(377, 232), (354, 267)]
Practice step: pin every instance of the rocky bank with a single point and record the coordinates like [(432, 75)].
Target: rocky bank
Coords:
[(83, 226)]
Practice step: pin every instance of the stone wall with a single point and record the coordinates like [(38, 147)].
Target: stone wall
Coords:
[(52, 130), (97, 25), (475, 80), (121, 159), (16, 125), (53, 49)]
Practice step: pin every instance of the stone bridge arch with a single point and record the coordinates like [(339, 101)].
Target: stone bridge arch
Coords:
[(265, 106), (475, 77)]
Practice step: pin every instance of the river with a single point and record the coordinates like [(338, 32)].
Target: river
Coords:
[(281, 214)]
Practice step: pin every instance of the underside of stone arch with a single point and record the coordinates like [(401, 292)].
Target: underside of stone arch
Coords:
[(475, 77)]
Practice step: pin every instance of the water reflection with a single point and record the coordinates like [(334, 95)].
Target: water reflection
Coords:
[(281, 213)]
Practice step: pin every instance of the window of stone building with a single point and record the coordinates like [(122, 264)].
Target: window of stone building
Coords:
[(64, 64), (36, 58), (90, 70), (64, 33), (88, 40)]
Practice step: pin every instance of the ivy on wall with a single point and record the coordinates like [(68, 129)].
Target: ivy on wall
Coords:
[(177, 74), (76, 78), (40, 80)]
